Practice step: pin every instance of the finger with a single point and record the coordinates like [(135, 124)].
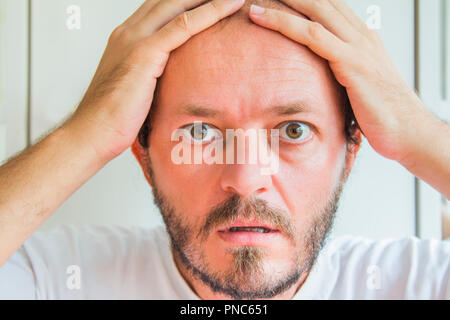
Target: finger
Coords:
[(327, 15), (189, 23), (349, 14), (306, 32), (140, 13), (161, 14)]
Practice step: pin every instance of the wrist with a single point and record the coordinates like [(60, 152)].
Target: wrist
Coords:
[(421, 139), (412, 117), (429, 156), (87, 138)]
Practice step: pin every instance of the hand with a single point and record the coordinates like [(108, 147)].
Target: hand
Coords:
[(120, 94), (385, 107)]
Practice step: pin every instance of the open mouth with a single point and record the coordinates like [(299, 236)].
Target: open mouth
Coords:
[(250, 229), (249, 235)]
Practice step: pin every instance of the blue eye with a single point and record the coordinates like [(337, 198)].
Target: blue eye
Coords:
[(199, 132), (295, 131)]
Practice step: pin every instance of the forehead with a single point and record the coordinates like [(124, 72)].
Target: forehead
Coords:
[(244, 68)]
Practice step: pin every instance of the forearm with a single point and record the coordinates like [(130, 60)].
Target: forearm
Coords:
[(427, 152), (37, 181)]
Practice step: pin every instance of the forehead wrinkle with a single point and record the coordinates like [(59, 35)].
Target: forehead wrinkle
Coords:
[(208, 53), (247, 40), (265, 66), (209, 50)]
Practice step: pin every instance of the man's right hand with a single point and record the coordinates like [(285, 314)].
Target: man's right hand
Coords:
[(37, 181), (120, 95)]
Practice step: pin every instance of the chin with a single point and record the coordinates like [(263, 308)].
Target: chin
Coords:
[(272, 250), (248, 261)]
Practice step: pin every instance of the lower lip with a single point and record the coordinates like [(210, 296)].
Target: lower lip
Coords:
[(249, 237)]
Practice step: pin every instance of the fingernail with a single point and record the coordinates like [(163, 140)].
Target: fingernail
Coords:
[(256, 10)]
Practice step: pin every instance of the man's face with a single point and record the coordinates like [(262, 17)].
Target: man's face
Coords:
[(240, 73)]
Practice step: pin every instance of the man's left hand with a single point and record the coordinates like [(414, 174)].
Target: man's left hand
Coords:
[(383, 103)]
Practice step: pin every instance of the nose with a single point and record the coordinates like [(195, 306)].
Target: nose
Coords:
[(249, 176), (245, 179)]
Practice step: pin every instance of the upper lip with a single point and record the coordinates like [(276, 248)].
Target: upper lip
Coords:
[(242, 223)]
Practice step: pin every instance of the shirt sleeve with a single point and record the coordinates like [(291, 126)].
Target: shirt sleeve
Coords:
[(17, 279)]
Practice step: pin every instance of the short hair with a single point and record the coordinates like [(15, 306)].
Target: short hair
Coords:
[(351, 126)]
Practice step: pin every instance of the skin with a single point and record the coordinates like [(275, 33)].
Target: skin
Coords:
[(38, 180), (260, 70), (388, 111)]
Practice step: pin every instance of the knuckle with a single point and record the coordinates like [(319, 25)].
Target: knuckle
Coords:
[(145, 55), (215, 7), (280, 22), (315, 30), (182, 21), (120, 35), (116, 32)]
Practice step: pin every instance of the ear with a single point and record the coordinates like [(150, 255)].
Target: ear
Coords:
[(352, 151), (142, 156)]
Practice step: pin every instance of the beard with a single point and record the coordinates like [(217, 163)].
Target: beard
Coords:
[(246, 278)]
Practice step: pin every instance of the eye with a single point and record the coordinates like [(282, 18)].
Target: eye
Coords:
[(199, 132), (295, 131)]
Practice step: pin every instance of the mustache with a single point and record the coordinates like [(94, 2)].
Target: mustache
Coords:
[(236, 207)]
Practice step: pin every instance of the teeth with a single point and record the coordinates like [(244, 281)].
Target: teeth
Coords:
[(253, 229)]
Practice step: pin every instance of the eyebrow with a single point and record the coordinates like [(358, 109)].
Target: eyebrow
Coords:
[(208, 112)]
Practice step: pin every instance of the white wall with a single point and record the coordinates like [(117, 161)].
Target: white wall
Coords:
[(379, 200), (13, 76)]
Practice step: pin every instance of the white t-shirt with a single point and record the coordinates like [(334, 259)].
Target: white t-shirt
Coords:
[(94, 262)]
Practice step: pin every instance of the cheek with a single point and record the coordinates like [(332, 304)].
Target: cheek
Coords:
[(197, 186), (190, 187), (307, 179)]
